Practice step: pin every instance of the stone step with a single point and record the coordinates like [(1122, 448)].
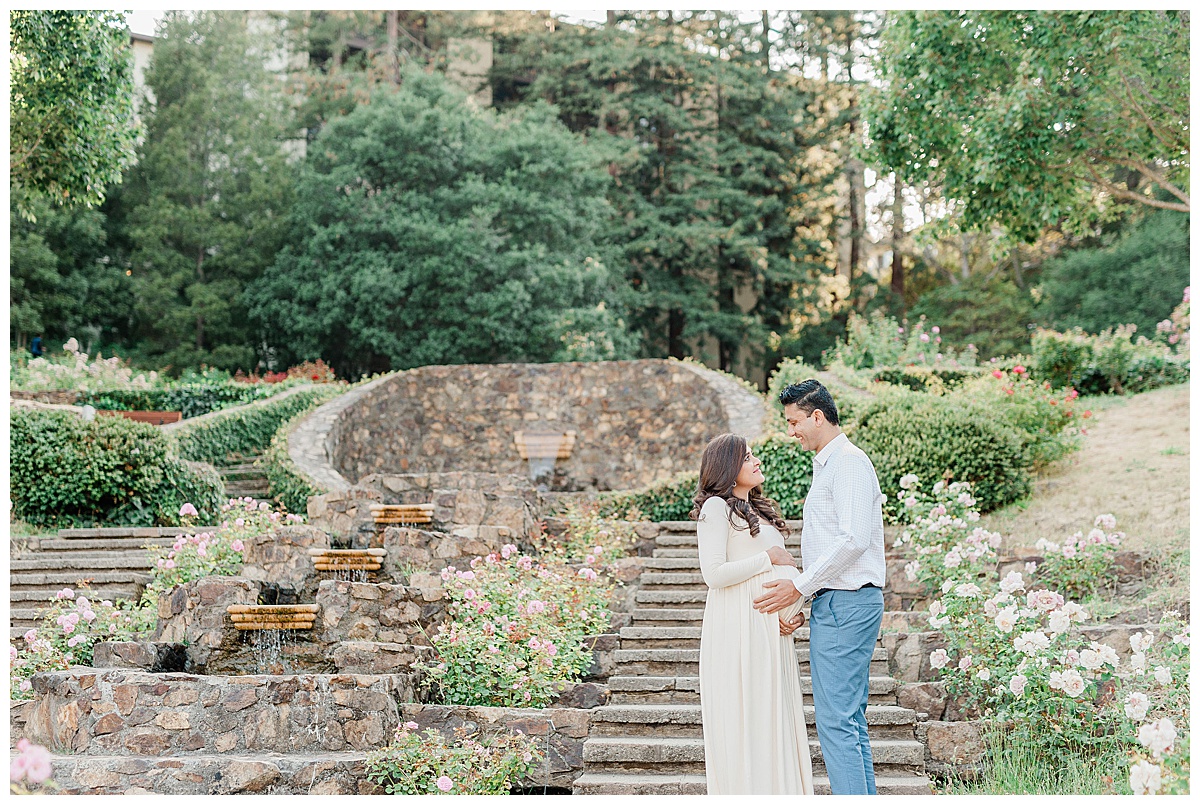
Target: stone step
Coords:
[(251, 488), (256, 773), (72, 578), (675, 527), (232, 472), (686, 689), (686, 755), (682, 560), (677, 581), (646, 616), (686, 661), (683, 720), (611, 784), (83, 561), (120, 532), (653, 636), (670, 598), (108, 545)]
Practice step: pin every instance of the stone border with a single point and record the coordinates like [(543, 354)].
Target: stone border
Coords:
[(310, 447), (308, 443), (745, 410)]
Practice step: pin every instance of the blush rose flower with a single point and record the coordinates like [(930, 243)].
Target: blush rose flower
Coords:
[(444, 783)]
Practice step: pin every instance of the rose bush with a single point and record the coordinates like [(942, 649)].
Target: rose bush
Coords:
[(941, 534), (70, 628), (593, 539), (1081, 564), (415, 763), (515, 630)]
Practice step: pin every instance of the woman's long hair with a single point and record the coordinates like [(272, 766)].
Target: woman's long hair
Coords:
[(719, 467)]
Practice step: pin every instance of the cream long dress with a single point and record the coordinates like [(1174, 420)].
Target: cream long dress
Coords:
[(755, 738)]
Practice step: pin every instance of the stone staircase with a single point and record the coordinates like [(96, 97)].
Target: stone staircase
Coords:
[(243, 478), (113, 561), (649, 738)]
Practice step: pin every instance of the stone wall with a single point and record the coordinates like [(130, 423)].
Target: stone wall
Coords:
[(635, 422)]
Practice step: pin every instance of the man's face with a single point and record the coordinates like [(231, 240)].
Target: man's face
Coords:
[(803, 425)]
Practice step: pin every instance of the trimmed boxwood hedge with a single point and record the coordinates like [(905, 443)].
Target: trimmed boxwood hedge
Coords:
[(936, 437), (66, 471), (190, 400), (246, 429), (286, 482)]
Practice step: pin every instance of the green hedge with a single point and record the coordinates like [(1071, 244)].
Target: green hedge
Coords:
[(65, 471), (667, 500), (247, 429), (191, 400), (932, 436), (1111, 362), (788, 471)]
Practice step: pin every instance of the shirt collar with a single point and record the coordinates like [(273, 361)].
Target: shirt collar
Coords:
[(822, 458)]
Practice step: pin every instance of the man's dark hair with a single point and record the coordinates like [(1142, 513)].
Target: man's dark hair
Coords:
[(809, 396)]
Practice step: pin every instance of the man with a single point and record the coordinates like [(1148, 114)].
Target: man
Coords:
[(844, 572)]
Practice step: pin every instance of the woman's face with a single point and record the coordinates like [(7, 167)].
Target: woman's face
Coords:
[(750, 475)]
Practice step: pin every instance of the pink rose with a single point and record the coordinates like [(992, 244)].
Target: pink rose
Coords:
[(188, 510), (444, 783), (238, 545)]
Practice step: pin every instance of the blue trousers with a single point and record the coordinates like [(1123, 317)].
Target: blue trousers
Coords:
[(842, 633)]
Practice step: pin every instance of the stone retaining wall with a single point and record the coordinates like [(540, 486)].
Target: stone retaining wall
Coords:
[(635, 422)]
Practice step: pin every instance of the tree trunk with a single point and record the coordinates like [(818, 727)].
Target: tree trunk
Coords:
[(897, 237), (675, 322), (393, 54)]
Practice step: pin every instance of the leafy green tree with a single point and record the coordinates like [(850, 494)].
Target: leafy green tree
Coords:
[(1138, 279), (990, 312), (707, 145), (63, 279), (428, 231), (1029, 118), (207, 202), (71, 123)]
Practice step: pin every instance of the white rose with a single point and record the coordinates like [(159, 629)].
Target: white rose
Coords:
[(1017, 684), (1012, 582), (908, 481), (1060, 621), (967, 590), (1138, 663), (1055, 680), (952, 559), (1006, 619), (1162, 675), (1136, 706), (1108, 654), (984, 674), (1141, 641), (1145, 777), (1106, 521), (1158, 736), (1072, 683), (938, 658), (947, 585), (1091, 660), (965, 663), (1077, 613)]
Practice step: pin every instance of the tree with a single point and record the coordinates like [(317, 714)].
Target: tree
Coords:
[(427, 231), (1028, 118), (707, 141), (1138, 279), (207, 202), (71, 124), (63, 279)]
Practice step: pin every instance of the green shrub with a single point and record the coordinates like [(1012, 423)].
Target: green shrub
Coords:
[(991, 313), (246, 429), (190, 400), (1111, 362), (788, 470), (1047, 419), (666, 500), (66, 471), (938, 438)]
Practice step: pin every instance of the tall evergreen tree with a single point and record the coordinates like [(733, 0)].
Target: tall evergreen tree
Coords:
[(708, 146), (208, 198)]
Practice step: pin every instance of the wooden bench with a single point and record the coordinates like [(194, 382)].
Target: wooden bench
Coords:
[(153, 417), (402, 513)]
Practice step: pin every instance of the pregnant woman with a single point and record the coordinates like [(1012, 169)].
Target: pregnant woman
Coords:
[(755, 738)]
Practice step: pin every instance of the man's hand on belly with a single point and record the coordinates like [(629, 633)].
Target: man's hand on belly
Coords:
[(777, 595)]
